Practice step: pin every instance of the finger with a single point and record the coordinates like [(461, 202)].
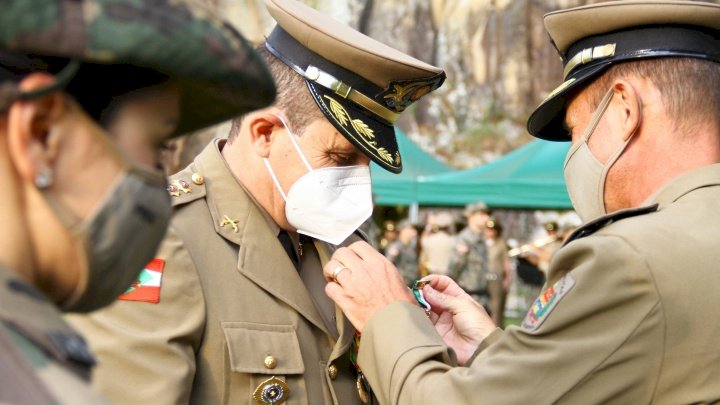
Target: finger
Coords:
[(342, 273), (336, 293), (348, 258), (365, 251), (440, 302), (446, 285), (329, 268)]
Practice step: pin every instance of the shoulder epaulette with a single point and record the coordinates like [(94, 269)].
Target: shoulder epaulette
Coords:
[(186, 186)]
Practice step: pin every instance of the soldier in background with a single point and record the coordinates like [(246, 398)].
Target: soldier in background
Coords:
[(403, 253), (437, 244), (390, 235), (82, 116), (498, 277), (469, 262)]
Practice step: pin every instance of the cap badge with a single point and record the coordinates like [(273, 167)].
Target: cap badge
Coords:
[(401, 93), (358, 126), (271, 391)]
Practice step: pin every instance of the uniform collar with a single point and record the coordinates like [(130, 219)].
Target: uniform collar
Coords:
[(677, 188), (223, 198), (684, 184)]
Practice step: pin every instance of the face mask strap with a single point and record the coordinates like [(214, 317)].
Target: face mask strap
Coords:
[(598, 115), (274, 178), (294, 142)]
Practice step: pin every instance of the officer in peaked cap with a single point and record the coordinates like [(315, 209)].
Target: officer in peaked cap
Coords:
[(88, 92), (241, 314), (640, 104)]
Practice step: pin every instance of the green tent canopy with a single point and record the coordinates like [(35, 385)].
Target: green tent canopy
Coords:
[(528, 177), (401, 189)]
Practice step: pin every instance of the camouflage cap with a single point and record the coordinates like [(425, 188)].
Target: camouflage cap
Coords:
[(141, 41)]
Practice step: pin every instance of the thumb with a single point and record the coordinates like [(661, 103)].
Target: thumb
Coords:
[(439, 302)]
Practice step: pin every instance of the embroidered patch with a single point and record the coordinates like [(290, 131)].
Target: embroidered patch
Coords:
[(147, 286), (547, 300)]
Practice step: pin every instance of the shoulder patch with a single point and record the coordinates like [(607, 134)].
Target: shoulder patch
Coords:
[(546, 302), (147, 286)]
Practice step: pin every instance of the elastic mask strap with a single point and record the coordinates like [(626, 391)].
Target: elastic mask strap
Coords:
[(10, 92), (294, 142), (274, 178), (71, 221), (597, 115)]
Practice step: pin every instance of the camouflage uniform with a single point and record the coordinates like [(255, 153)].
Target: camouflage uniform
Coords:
[(42, 361), (405, 258), (92, 47), (468, 264)]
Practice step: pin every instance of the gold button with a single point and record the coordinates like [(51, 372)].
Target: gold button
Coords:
[(197, 179), (270, 362), (332, 371)]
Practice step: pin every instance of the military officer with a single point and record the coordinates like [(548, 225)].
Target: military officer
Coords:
[(89, 92), (628, 314), (233, 308), (498, 276), (403, 253), (469, 262)]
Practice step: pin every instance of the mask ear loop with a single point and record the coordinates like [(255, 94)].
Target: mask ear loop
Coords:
[(274, 179), (294, 142), (598, 115)]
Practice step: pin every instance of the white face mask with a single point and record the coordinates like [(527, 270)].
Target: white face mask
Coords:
[(584, 175), (328, 203)]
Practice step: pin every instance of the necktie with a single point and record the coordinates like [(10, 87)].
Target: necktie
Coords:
[(287, 244)]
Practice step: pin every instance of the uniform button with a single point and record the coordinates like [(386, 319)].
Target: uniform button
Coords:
[(270, 362), (332, 371), (197, 179)]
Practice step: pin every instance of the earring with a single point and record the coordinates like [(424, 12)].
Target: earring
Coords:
[(44, 178)]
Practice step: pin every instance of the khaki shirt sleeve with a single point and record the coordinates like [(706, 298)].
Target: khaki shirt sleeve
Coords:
[(145, 351), (601, 342)]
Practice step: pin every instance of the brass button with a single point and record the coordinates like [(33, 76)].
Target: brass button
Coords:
[(332, 371), (197, 179), (270, 362)]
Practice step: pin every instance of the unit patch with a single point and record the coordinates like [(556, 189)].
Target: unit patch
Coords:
[(547, 300), (147, 286)]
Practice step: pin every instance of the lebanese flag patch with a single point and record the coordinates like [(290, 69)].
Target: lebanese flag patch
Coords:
[(147, 286)]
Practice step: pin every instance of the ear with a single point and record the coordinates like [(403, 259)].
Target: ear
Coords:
[(263, 127), (628, 108), (29, 126)]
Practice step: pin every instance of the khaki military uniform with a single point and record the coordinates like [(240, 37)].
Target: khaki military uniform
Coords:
[(233, 313), (405, 258), (497, 259), (437, 249), (469, 264), (42, 360), (631, 319)]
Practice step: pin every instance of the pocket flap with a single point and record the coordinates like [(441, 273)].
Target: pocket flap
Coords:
[(250, 344)]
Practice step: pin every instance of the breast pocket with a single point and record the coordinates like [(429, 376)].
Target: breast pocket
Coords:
[(265, 362)]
